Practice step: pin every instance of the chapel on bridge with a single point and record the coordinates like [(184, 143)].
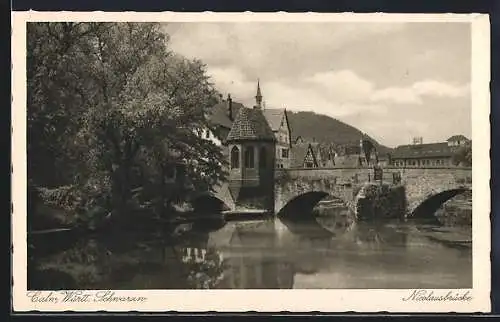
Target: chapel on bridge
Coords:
[(251, 146)]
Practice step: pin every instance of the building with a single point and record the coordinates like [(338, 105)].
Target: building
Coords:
[(325, 154), (383, 159), (224, 114), (278, 121), (421, 154), (221, 120), (321, 155), (298, 140), (251, 146), (304, 156), (351, 154)]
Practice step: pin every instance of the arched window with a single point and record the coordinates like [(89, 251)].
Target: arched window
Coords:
[(249, 156), (235, 157), (262, 158)]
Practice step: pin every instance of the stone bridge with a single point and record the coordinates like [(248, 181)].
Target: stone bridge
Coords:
[(426, 189), (429, 188), (306, 187)]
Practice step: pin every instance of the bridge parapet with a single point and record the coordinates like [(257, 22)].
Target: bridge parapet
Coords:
[(344, 183)]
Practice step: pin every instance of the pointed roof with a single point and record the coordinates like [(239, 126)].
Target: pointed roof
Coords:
[(274, 117), (259, 94), (258, 97), (250, 124), (299, 153)]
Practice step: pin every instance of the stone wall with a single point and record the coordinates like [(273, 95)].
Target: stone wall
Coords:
[(344, 183), (457, 212), (423, 183), (289, 185), (381, 201)]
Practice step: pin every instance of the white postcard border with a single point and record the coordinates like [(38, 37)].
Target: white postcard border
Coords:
[(366, 300)]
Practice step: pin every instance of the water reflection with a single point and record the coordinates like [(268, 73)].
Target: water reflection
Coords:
[(267, 254)]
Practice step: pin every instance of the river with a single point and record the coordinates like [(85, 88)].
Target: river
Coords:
[(266, 254)]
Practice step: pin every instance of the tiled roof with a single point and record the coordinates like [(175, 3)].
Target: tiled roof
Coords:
[(457, 138), (219, 115), (274, 117), (383, 156), (298, 153), (316, 149), (430, 150), (347, 161), (323, 150), (250, 124)]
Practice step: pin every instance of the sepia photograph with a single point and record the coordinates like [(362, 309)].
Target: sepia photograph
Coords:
[(255, 155)]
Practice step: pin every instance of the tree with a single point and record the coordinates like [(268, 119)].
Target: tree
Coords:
[(367, 149), (111, 106), (55, 60), (463, 156)]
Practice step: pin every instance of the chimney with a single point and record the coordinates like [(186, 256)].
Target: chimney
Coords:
[(229, 107), (417, 140)]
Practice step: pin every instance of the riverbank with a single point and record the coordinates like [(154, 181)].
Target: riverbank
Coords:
[(456, 212)]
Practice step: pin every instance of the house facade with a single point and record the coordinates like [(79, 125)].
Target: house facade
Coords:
[(278, 121), (423, 155), (304, 156)]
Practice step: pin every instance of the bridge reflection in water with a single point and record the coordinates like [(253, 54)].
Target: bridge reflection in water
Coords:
[(270, 254)]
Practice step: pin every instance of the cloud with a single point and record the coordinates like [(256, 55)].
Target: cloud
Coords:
[(269, 49), (393, 81), (432, 87), (343, 85), (414, 94), (231, 80), (330, 93), (346, 85), (397, 95)]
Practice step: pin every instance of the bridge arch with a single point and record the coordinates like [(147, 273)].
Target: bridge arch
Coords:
[(297, 215), (300, 206), (208, 203), (427, 208)]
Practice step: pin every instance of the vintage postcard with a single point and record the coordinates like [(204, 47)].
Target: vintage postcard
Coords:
[(239, 162)]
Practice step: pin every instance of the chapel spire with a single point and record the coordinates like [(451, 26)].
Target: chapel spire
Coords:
[(258, 96)]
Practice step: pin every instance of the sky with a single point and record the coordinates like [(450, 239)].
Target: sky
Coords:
[(393, 81)]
